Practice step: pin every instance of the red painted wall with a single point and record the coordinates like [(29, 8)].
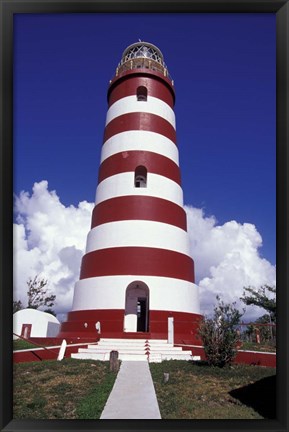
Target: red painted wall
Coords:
[(129, 160), (40, 355), (139, 207), (245, 357), (137, 261), (140, 121), (127, 83)]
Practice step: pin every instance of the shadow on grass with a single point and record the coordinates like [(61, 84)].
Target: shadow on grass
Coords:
[(261, 396)]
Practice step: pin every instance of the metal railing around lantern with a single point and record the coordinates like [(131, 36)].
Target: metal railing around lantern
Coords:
[(143, 63)]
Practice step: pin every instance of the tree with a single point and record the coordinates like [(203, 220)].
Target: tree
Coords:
[(17, 305), (38, 295), (50, 311), (219, 334), (259, 297), (266, 331)]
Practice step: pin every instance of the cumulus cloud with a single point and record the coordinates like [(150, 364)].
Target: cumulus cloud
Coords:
[(50, 238), (226, 259)]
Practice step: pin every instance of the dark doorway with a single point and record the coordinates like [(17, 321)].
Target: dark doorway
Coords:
[(136, 314), (142, 314)]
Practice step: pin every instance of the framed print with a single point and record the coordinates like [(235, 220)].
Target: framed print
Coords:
[(190, 210)]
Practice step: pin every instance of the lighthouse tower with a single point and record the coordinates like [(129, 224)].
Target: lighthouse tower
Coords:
[(137, 272)]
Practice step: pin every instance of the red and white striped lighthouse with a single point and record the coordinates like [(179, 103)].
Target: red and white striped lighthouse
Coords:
[(137, 270)]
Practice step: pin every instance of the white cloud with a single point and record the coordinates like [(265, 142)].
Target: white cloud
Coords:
[(49, 239), (227, 259)]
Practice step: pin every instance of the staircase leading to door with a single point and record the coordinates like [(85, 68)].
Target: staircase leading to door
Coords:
[(152, 350)]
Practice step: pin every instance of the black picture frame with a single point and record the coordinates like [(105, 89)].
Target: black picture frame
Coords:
[(10, 7)]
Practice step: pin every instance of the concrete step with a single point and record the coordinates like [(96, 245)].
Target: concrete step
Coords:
[(123, 350), (155, 358), (105, 356), (134, 349), (121, 341), (164, 348), (158, 342), (89, 356), (118, 347), (108, 341), (133, 357)]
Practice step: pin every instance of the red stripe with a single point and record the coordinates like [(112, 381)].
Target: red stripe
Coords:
[(128, 160), (140, 121), (139, 208), (110, 319), (137, 261), (112, 323), (128, 87)]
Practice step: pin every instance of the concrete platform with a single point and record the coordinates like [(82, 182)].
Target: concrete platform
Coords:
[(133, 395), (152, 350)]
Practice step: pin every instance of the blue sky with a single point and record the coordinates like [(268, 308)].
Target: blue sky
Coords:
[(223, 66)]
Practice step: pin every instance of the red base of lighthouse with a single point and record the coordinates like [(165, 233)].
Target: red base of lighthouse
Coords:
[(81, 324)]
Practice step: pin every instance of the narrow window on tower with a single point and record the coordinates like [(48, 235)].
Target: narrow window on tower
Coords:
[(140, 177), (142, 93)]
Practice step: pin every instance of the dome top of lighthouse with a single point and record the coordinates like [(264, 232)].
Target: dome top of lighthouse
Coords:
[(142, 50), (142, 55)]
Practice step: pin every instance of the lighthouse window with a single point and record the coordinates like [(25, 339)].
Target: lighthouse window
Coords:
[(142, 93), (140, 177)]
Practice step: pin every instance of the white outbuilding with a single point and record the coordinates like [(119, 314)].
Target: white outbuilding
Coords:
[(34, 323)]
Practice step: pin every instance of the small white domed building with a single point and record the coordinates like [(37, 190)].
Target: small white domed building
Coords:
[(34, 323)]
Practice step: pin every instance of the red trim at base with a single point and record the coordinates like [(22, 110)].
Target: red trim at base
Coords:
[(44, 354), (244, 357), (82, 324)]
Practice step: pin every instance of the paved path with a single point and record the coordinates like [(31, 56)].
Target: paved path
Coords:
[(133, 394)]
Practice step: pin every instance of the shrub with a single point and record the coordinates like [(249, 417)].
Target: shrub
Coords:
[(219, 334)]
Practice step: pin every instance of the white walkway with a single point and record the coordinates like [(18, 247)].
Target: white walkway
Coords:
[(133, 395)]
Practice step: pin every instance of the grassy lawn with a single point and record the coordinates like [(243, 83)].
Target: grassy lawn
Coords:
[(197, 391), (252, 346), (73, 389), (21, 344), (70, 389)]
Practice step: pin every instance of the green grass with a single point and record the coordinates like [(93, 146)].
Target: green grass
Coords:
[(70, 389), (253, 346), (21, 344), (91, 406), (73, 389), (197, 391)]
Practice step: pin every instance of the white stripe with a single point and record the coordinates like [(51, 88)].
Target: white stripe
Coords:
[(108, 292), (139, 233), (123, 184), (130, 104), (140, 140)]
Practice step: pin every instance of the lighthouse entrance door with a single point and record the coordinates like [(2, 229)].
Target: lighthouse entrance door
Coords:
[(141, 314), (136, 317)]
